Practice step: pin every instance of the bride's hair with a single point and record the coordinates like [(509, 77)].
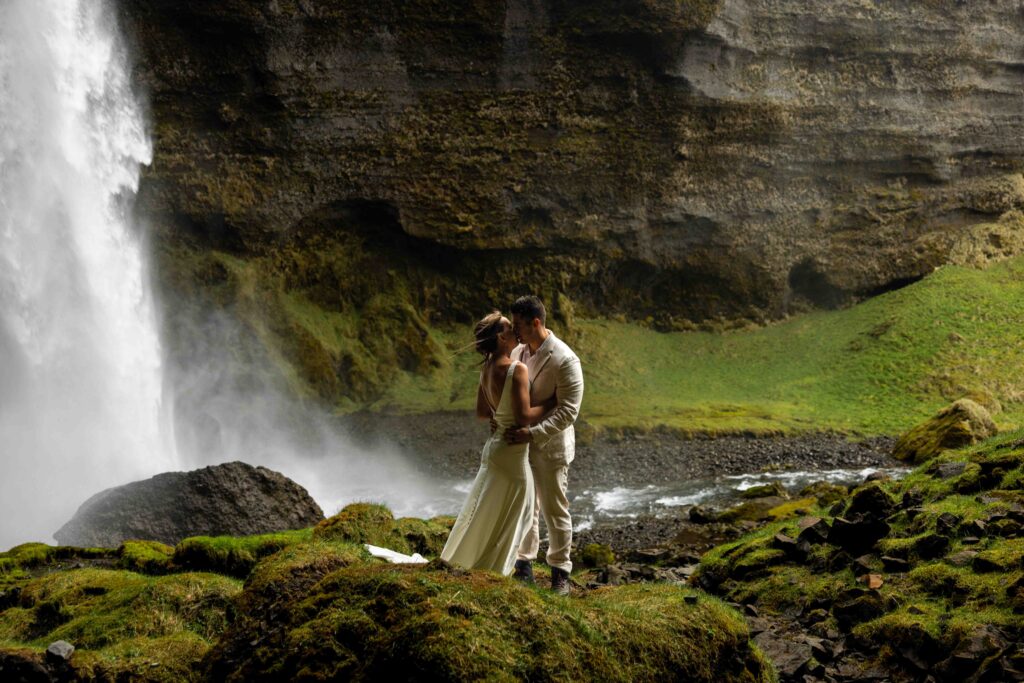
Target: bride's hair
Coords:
[(486, 334)]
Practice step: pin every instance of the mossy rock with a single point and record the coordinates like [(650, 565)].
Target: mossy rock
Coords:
[(233, 555), (824, 492), (765, 490), (363, 523), (382, 622), (425, 536), (597, 555), (146, 557), (960, 424), (927, 592)]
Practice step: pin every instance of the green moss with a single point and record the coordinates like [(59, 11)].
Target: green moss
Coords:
[(146, 557), (362, 523), (122, 622), (233, 555), (597, 555), (426, 537), (931, 608), (368, 622)]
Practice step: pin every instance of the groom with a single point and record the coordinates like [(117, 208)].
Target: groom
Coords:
[(554, 371)]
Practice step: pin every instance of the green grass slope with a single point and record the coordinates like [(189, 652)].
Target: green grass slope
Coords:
[(878, 367)]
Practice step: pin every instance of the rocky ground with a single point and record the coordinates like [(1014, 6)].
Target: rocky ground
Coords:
[(616, 459)]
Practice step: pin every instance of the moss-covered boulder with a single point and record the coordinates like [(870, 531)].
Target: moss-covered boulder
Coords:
[(233, 555), (371, 621), (375, 524), (948, 563), (962, 423)]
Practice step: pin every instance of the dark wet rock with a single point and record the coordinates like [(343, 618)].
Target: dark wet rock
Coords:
[(864, 564), (788, 654), (990, 563), (857, 535), (701, 514), (947, 524), (856, 606), (839, 561), (231, 499), (785, 543), (967, 659), (931, 546), (25, 667), (959, 424), (1006, 528), (976, 528), (870, 502), (895, 564), (813, 530)]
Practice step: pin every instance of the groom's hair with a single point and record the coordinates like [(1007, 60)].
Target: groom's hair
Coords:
[(530, 307)]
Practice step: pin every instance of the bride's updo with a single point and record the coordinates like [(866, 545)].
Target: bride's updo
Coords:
[(486, 334)]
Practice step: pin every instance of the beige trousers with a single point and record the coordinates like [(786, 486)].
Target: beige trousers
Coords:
[(551, 482)]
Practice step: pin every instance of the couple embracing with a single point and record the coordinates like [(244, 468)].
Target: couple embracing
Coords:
[(530, 389)]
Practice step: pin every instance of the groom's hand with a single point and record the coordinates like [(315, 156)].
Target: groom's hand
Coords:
[(514, 435)]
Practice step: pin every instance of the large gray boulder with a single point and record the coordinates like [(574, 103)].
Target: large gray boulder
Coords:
[(231, 499)]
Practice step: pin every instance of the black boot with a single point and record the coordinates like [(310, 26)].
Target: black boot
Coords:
[(524, 572), (560, 581)]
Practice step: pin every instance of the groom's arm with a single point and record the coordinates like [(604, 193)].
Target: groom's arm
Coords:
[(569, 392)]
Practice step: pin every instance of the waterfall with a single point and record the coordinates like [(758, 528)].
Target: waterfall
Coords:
[(80, 376)]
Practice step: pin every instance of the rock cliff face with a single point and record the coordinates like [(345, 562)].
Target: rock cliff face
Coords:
[(680, 160)]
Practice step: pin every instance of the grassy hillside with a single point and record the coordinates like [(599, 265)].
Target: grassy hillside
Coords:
[(875, 368), (878, 367)]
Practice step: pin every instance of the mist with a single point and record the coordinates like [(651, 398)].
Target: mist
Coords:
[(88, 397)]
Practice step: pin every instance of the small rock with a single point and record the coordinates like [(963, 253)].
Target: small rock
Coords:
[(947, 523), (701, 514), (931, 546), (948, 470), (863, 564), (60, 650), (963, 558), (813, 530), (872, 581), (895, 564)]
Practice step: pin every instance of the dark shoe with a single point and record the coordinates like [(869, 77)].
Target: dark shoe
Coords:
[(560, 581), (524, 572)]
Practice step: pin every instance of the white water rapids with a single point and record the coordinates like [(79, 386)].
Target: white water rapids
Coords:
[(80, 378)]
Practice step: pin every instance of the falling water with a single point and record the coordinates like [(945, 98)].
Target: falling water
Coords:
[(79, 354)]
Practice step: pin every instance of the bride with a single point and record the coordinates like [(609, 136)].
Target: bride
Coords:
[(499, 509)]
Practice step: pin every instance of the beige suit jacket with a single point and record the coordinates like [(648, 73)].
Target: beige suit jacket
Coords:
[(556, 370)]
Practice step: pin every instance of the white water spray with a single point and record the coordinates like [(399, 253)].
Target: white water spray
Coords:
[(79, 353)]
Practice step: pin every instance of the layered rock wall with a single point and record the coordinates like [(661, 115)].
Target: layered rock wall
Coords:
[(673, 160)]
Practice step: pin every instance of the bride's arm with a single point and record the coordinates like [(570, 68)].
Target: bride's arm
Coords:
[(526, 414)]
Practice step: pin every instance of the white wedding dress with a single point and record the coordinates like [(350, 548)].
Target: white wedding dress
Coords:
[(498, 512)]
